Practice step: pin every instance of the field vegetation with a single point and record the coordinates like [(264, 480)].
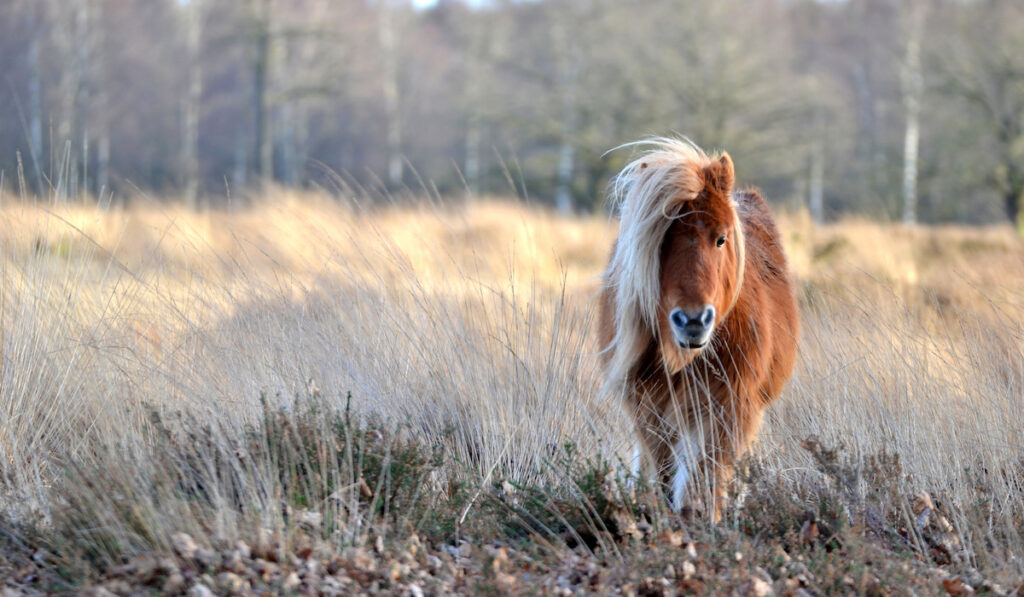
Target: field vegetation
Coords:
[(306, 394), (271, 322)]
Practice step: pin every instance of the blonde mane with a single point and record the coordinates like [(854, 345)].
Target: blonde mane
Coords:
[(649, 194)]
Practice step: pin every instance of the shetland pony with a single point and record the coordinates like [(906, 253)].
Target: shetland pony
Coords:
[(698, 323)]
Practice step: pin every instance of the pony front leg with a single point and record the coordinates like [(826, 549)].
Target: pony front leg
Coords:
[(731, 442), (637, 462), (636, 466), (686, 454), (658, 441)]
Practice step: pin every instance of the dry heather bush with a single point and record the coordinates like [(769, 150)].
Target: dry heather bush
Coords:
[(138, 343)]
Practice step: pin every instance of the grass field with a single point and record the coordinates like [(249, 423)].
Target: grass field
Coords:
[(307, 394)]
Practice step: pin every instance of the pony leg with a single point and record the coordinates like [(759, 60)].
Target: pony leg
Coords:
[(685, 453), (637, 463), (732, 441), (636, 466), (658, 439)]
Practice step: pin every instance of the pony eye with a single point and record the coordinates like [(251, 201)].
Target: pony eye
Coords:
[(720, 241)]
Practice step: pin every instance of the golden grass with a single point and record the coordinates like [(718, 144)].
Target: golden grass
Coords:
[(473, 325)]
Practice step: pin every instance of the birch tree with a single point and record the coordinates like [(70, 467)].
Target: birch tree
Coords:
[(912, 81), (387, 39), (192, 101)]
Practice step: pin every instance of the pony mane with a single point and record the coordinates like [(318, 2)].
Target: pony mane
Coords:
[(650, 192)]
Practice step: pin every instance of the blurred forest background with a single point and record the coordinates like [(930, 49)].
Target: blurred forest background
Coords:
[(906, 110)]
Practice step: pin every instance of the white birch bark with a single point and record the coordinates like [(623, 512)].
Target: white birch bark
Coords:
[(392, 108), (193, 99), (913, 84)]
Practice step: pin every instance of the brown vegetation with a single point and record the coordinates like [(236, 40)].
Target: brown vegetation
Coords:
[(318, 375)]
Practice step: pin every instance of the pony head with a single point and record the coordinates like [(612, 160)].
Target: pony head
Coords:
[(678, 263)]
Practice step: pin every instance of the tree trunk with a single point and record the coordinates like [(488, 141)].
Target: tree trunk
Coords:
[(567, 151), (473, 142), (69, 89), (35, 102), (816, 191), (288, 143), (564, 199), (294, 110), (240, 172), (816, 184), (477, 50), (569, 66), (84, 41), (242, 161), (866, 117), (1019, 217), (264, 143), (1013, 200), (1009, 175), (1013, 197), (101, 103), (193, 100), (103, 162), (913, 85), (392, 109), (911, 140), (474, 134)]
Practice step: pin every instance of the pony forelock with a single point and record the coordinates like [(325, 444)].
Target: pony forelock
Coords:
[(649, 193)]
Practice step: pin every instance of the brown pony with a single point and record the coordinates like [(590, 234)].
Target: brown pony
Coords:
[(698, 323)]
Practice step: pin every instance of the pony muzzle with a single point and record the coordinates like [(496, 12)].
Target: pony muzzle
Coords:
[(692, 328)]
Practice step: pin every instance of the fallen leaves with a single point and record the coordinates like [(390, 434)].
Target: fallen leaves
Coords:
[(957, 587)]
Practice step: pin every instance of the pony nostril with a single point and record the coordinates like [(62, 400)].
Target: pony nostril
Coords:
[(707, 318), (678, 318)]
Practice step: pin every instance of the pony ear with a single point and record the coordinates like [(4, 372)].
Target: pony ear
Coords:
[(720, 175)]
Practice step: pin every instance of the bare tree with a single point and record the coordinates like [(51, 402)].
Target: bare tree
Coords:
[(983, 64), (261, 80), (817, 101), (35, 99), (389, 82), (304, 78), (259, 34), (476, 46), (816, 185), (192, 101), (912, 85), (69, 21), (569, 61)]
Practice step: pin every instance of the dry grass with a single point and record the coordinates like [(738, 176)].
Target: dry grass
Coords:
[(469, 328)]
